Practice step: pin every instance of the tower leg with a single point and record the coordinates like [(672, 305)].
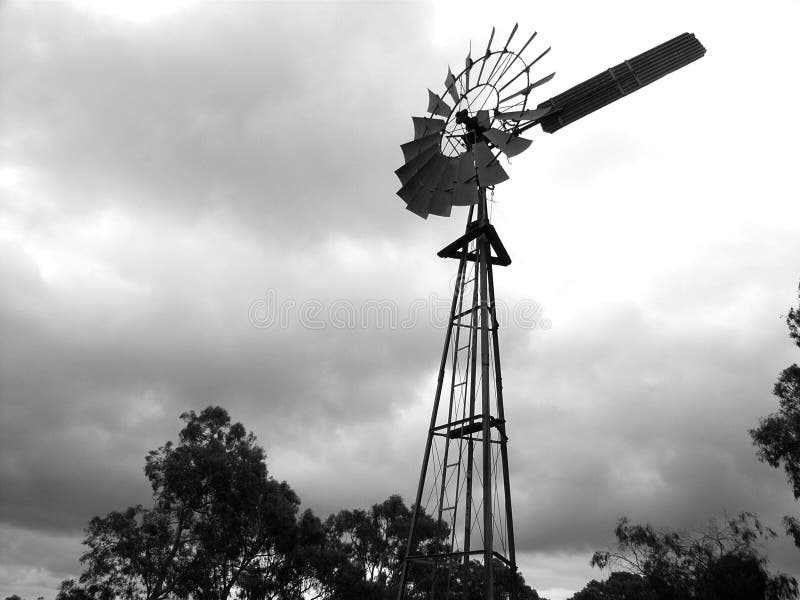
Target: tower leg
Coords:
[(486, 408), (473, 370), (429, 442), (501, 415)]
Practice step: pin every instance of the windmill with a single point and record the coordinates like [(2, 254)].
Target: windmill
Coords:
[(453, 160)]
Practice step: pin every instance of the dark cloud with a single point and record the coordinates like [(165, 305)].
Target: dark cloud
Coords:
[(231, 106)]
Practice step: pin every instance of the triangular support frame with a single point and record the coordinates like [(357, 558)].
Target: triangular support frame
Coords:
[(474, 230)]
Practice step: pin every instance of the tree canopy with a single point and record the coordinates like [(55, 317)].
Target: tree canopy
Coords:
[(221, 528), (218, 522), (722, 562), (777, 436), (620, 585)]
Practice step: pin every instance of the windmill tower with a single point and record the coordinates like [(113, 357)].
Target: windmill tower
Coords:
[(452, 161)]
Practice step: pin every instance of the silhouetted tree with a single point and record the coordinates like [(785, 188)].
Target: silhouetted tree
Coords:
[(778, 435), (474, 581), (620, 585), (218, 524), (372, 544), (723, 562), (220, 528)]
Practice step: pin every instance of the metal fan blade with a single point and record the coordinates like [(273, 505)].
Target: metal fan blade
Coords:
[(530, 39), (449, 176), (437, 106), (544, 79), (524, 115), (485, 56), (424, 126), (427, 177), (513, 31), (412, 149), (466, 168), (412, 167), (527, 89), (509, 144), (489, 170), (465, 194), (420, 203), (468, 66), (483, 119), (441, 203), (450, 83), (409, 190), (431, 173)]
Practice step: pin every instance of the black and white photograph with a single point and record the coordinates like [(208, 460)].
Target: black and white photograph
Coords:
[(399, 300)]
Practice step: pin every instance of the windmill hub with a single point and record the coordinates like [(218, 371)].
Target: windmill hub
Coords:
[(473, 129), (468, 120)]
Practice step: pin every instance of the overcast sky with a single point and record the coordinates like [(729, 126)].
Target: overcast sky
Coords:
[(169, 171)]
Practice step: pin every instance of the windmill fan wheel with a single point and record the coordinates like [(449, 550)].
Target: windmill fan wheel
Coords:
[(477, 118)]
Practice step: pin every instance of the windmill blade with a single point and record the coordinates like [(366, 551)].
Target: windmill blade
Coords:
[(466, 168), (527, 89), (417, 181), (450, 84), (465, 194), (619, 81), (412, 167), (420, 203), (508, 143), (432, 172), (489, 170), (441, 203), (513, 31), (425, 126), (466, 189), (532, 114), (489, 44), (409, 190), (468, 62), (449, 177), (437, 106), (412, 149), (483, 119), (530, 39), (426, 178), (486, 56)]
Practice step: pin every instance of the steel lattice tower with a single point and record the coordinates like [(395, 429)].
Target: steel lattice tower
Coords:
[(464, 478)]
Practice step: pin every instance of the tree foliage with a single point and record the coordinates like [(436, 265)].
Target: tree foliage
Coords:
[(218, 523), (722, 562), (221, 528), (777, 436), (474, 583), (370, 545), (620, 585)]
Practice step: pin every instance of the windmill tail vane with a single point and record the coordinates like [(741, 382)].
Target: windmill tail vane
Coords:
[(453, 159)]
